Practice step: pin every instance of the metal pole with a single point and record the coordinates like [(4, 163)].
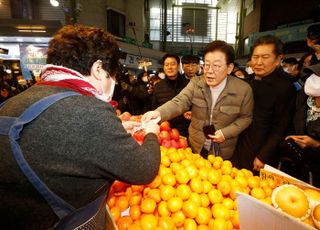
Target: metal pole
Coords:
[(164, 29), (240, 35)]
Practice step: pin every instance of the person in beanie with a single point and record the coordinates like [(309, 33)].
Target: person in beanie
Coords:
[(57, 170)]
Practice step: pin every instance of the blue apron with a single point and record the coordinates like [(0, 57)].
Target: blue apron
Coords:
[(93, 215)]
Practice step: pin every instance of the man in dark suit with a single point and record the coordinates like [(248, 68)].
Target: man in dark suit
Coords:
[(274, 98)]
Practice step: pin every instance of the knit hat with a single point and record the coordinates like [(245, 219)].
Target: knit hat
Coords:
[(312, 86)]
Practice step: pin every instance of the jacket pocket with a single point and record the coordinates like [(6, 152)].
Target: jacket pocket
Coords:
[(199, 102), (229, 109)]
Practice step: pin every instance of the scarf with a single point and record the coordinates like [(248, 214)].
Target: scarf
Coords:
[(67, 78)]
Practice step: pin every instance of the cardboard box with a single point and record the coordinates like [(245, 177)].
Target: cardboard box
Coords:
[(111, 225), (254, 214)]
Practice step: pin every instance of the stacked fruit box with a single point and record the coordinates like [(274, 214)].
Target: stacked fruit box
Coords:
[(295, 205)]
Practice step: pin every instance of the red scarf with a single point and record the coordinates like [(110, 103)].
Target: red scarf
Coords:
[(67, 78)]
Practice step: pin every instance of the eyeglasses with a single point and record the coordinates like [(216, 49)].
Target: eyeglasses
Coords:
[(214, 67)]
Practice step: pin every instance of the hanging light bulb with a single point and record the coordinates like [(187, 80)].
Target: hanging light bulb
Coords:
[(54, 3)]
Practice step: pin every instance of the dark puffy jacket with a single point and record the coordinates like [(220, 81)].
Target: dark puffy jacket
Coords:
[(164, 91)]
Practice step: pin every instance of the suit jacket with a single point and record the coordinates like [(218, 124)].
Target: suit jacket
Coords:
[(232, 112), (274, 99)]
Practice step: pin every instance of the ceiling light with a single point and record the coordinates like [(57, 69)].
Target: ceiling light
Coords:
[(54, 3)]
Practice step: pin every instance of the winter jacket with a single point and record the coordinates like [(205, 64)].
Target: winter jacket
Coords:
[(232, 112)]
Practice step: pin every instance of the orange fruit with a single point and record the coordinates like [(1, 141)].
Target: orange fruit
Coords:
[(247, 173), (190, 209), (111, 201), (228, 203), (220, 211), (148, 222), (204, 215), (192, 171), (190, 224), (316, 212), (124, 222), (165, 160), (215, 196), (115, 212), (137, 188), (134, 226), (203, 227), (183, 191), (268, 191), (156, 182), (135, 199), (224, 187), (219, 224), (200, 163), (258, 193), (164, 170), (196, 185), (203, 172), (178, 218), (135, 212), (174, 156), (166, 223), (196, 198), (235, 189), (163, 209), (205, 202), (214, 176), (166, 192), (175, 204), (235, 220), (217, 162), (253, 182), (154, 194), (182, 176), (207, 186), (122, 202), (186, 162), (169, 179), (242, 181), (175, 167), (148, 205)]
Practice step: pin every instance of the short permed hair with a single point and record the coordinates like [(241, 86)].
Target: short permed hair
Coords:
[(222, 46), (77, 47), (269, 40)]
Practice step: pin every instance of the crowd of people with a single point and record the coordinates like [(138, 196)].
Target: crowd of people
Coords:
[(12, 85), (67, 144)]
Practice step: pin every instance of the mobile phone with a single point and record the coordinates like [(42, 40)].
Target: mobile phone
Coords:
[(208, 130)]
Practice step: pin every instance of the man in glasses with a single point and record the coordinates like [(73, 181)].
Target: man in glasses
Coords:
[(221, 104)]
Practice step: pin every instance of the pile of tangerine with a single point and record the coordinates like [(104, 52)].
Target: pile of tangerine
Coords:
[(189, 192)]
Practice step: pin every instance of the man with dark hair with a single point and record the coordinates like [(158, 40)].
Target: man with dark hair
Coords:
[(274, 98), (313, 41), (221, 104), (190, 65), (168, 88), (290, 66)]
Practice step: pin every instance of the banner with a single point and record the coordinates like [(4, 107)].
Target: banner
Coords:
[(32, 60)]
